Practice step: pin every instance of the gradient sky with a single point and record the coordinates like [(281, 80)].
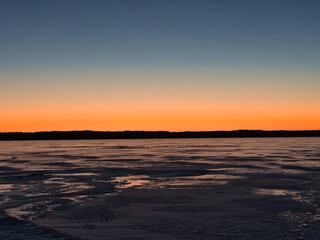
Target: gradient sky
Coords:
[(159, 65)]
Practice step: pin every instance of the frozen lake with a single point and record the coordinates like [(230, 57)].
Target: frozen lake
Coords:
[(278, 176)]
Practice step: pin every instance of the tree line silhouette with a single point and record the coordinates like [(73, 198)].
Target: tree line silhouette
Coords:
[(60, 135)]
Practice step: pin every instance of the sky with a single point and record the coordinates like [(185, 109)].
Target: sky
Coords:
[(176, 65)]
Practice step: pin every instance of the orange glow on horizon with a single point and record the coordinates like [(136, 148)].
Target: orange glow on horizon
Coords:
[(160, 102), (157, 116)]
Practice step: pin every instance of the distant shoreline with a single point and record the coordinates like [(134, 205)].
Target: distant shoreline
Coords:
[(74, 135)]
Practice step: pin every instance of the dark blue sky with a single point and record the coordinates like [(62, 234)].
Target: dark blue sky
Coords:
[(159, 64), (117, 34)]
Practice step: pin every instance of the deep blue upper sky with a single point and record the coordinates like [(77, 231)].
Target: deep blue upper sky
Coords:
[(159, 64), (159, 34)]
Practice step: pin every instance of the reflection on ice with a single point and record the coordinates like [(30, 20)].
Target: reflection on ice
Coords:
[(276, 192), (216, 177), (37, 209), (147, 182), (131, 181), (5, 188)]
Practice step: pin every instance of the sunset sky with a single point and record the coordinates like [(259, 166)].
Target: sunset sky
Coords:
[(177, 65)]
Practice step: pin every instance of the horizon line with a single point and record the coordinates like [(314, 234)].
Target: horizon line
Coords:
[(87, 134), (166, 131)]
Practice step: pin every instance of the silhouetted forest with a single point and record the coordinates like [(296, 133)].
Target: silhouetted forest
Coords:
[(59, 135)]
